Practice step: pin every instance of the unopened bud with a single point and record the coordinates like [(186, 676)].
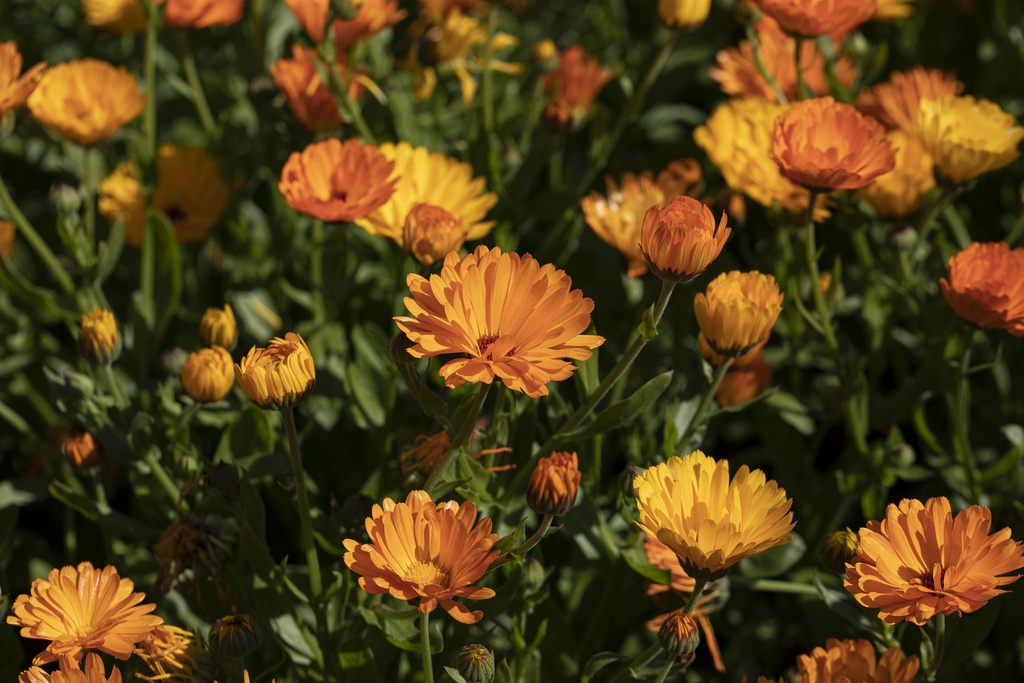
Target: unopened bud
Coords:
[(98, 340), (234, 636), (838, 549), (475, 663), (679, 634), (554, 484), (65, 199), (399, 347)]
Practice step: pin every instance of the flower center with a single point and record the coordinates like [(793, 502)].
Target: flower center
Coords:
[(174, 214), (928, 580), (426, 574), (484, 343)]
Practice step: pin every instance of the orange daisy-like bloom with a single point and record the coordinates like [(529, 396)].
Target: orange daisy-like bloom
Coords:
[(308, 96), (69, 672), (681, 240), (986, 286), (903, 190), (576, 82), (81, 608), (196, 14), (855, 661), (82, 450), (517, 321), (921, 561), (372, 17), (896, 102), (312, 15), (15, 89), (737, 72), (426, 551), (337, 181), (618, 217), (745, 383), (736, 312), (827, 145), (812, 18), (968, 137), (710, 521), (86, 100)]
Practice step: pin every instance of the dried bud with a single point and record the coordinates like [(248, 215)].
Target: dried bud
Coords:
[(234, 636), (475, 663), (82, 450), (679, 635), (838, 549), (554, 484)]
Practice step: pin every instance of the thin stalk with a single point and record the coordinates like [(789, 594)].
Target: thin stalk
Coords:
[(487, 95), (670, 664), (755, 45), (528, 544), (927, 223), (346, 104), (120, 400), (705, 400), (26, 231), (939, 645), (316, 271), (638, 662), (149, 69), (698, 588), (459, 439), (428, 668), (775, 586), (960, 414), (162, 478), (186, 416), (801, 88), (188, 64)]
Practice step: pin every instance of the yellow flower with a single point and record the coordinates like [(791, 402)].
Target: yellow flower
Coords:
[(617, 218), (312, 14), (426, 177), (196, 14), (120, 196), (207, 374), (82, 450), (86, 100), (683, 14), (896, 102), (81, 608), (515, 320), (69, 672), (890, 10), (190, 191), (234, 636), (681, 240), (903, 190), (545, 51), (15, 89), (7, 231), (425, 551), (217, 327), (98, 339), (430, 233), (174, 654), (117, 16), (854, 661), (554, 484), (737, 311), (709, 521), (279, 376), (968, 137)]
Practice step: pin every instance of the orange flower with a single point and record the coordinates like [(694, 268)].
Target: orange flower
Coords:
[(902, 191), (14, 90), (737, 311), (196, 14), (896, 102), (80, 608), (123, 17), (312, 14), (373, 17), (854, 661), (986, 286), (745, 383), (681, 177), (337, 181), (426, 455), (554, 484), (812, 18), (921, 561), (308, 96), (617, 218), (827, 145), (69, 672), (82, 450), (516, 320), (430, 233), (7, 232), (575, 83), (681, 240), (208, 374), (86, 100), (709, 354), (737, 72), (426, 551)]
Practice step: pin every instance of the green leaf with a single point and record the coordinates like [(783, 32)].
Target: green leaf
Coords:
[(455, 675), (21, 492), (637, 561), (624, 411), (971, 632), (598, 662), (116, 522), (774, 561), (840, 603)]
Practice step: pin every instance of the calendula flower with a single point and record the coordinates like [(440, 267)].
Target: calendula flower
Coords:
[(82, 608), (425, 551), (312, 15), (7, 232), (196, 14), (678, 634), (896, 102), (175, 655), (426, 454), (86, 100), (372, 17), (218, 327), (208, 374), (190, 191), (554, 484), (515, 320), (737, 311), (903, 190), (617, 217), (15, 88), (195, 548), (745, 383), (890, 10), (234, 636), (69, 672), (98, 339), (82, 450), (431, 178), (430, 233), (574, 84), (709, 520), (338, 181), (856, 661), (812, 18), (475, 663), (827, 145), (308, 96), (120, 196), (123, 17), (737, 72), (968, 137), (681, 240), (738, 138), (279, 376), (681, 177), (921, 561), (986, 286), (683, 14)]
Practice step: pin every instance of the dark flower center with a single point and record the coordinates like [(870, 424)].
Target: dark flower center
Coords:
[(484, 342), (174, 213)]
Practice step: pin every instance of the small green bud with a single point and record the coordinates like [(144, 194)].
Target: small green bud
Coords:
[(475, 663), (838, 549)]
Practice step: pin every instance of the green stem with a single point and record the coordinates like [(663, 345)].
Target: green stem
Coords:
[(120, 400), (939, 645), (928, 221), (37, 243), (316, 271), (705, 400), (487, 95), (188, 64), (149, 69), (458, 440), (755, 46), (801, 88), (428, 668), (638, 662), (528, 544), (960, 413), (698, 589), (162, 478), (670, 664), (187, 416), (348, 107), (774, 586)]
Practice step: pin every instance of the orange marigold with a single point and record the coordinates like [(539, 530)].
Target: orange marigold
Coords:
[(425, 551), (308, 96), (516, 320), (69, 672), (15, 89), (986, 286), (312, 15), (576, 81), (618, 217), (682, 177), (554, 484), (426, 455), (82, 450), (372, 17), (190, 191), (896, 102), (855, 661), (681, 240), (812, 18), (195, 14), (745, 383), (921, 561), (736, 312)]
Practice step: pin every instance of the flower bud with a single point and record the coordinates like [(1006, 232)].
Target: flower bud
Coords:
[(746, 382), (99, 341), (533, 575), (679, 635), (627, 477), (278, 376), (430, 233), (683, 14), (219, 328), (208, 374), (82, 450), (65, 199), (737, 311), (681, 240), (475, 663), (554, 484), (545, 52), (399, 348), (173, 360), (234, 636), (838, 549)]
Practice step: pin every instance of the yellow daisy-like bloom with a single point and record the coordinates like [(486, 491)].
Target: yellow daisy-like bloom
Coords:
[(279, 376), (681, 240), (617, 217), (968, 137), (738, 138), (903, 190), (117, 16), (174, 655), (896, 102), (430, 233), (812, 18), (921, 561), (516, 320), (425, 551), (855, 661), (15, 87), (709, 520), (7, 232), (891, 10), (69, 672), (426, 177), (207, 374), (218, 327), (554, 484), (82, 608), (86, 100), (120, 196), (190, 190), (98, 339), (737, 311)]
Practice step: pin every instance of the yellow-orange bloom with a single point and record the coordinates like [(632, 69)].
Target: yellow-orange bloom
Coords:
[(120, 196), (681, 177), (855, 661), (681, 240), (190, 190), (902, 191), (7, 232), (745, 383), (372, 17), (812, 18), (174, 654), (69, 672), (896, 102), (425, 177), (82, 450), (312, 15), (98, 339), (208, 374), (576, 82), (86, 100), (968, 137), (15, 88), (218, 327), (986, 286), (82, 608), (117, 16), (921, 561), (426, 455), (683, 14), (308, 96), (737, 311), (827, 145), (890, 10), (337, 181), (554, 484), (279, 376), (196, 14), (425, 551), (618, 217), (430, 233), (709, 521), (516, 320)]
